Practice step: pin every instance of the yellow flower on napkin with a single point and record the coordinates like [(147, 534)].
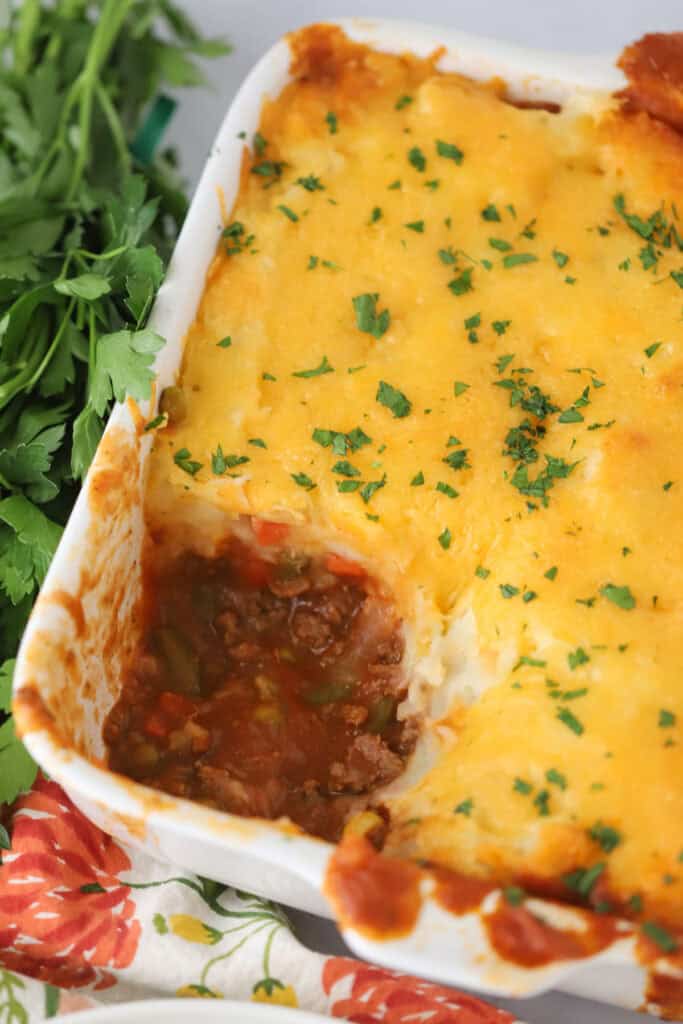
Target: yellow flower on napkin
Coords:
[(193, 930), (270, 990), (198, 992)]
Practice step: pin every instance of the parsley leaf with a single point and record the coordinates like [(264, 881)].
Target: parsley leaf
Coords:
[(417, 158), (449, 150), (462, 283), (311, 183), (490, 213), (323, 367), (183, 460), (303, 480), (393, 399), (516, 259), (368, 319), (621, 596), (605, 836)]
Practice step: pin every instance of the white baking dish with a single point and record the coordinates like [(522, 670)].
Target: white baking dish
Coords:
[(69, 664)]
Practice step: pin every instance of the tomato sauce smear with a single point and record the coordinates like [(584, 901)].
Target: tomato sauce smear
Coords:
[(266, 684)]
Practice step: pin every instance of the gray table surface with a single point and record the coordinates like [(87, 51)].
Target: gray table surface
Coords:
[(579, 26)]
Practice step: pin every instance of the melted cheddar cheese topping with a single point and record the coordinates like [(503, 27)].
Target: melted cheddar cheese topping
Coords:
[(444, 334)]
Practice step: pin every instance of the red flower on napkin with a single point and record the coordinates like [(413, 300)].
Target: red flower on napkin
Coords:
[(64, 914), (378, 995)]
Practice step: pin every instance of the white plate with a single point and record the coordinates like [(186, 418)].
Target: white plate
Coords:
[(187, 1011)]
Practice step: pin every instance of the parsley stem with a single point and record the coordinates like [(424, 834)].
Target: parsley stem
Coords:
[(114, 13), (117, 133), (52, 348)]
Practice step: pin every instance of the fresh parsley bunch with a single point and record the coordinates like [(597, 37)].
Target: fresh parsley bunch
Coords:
[(87, 221)]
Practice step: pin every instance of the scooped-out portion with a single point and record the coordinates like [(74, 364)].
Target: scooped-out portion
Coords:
[(266, 684)]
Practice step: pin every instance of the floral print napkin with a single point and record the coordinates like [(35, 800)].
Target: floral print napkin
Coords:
[(84, 920)]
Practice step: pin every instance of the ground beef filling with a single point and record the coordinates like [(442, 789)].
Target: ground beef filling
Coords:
[(266, 684)]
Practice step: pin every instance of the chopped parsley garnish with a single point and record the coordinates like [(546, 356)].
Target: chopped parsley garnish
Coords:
[(464, 807), (237, 240), (344, 468), (666, 719), (393, 399), (339, 442), (312, 262), (449, 150), (376, 214), (311, 183), (346, 486), (556, 778), (269, 169), (403, 101), (529, 595), (303, 480), (257, 442), (482, 573), (267, 376), (583, 879), (651, 349), (447, 256), (368, 319), (517, 259), (418, 480), (459, 388), (416, 225), (605, 836), (218, 463), (446, 489), (471, 323), (500, 244), (490, 213), (508, 590), (225, 342), (462, 283), (541, 802), (532, 662), (659, 936), (445, 539), (183, 460), (457, 459), (288, 213), (501, 326), (433, 184), (668, 485), (371, 487), (503, 362), (158, 421), (560, 258), (621, 596), (417, 158), (576, 658), (324, 367), (259, 144), (551, 573), (522, 786), (513, 895), (332, 122), (570, 720), (395, 185)]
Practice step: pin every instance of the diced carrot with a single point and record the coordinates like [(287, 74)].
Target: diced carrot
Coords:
[(254, 571), (267, 532), (341, 566), (156, 725), (175, 704)]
